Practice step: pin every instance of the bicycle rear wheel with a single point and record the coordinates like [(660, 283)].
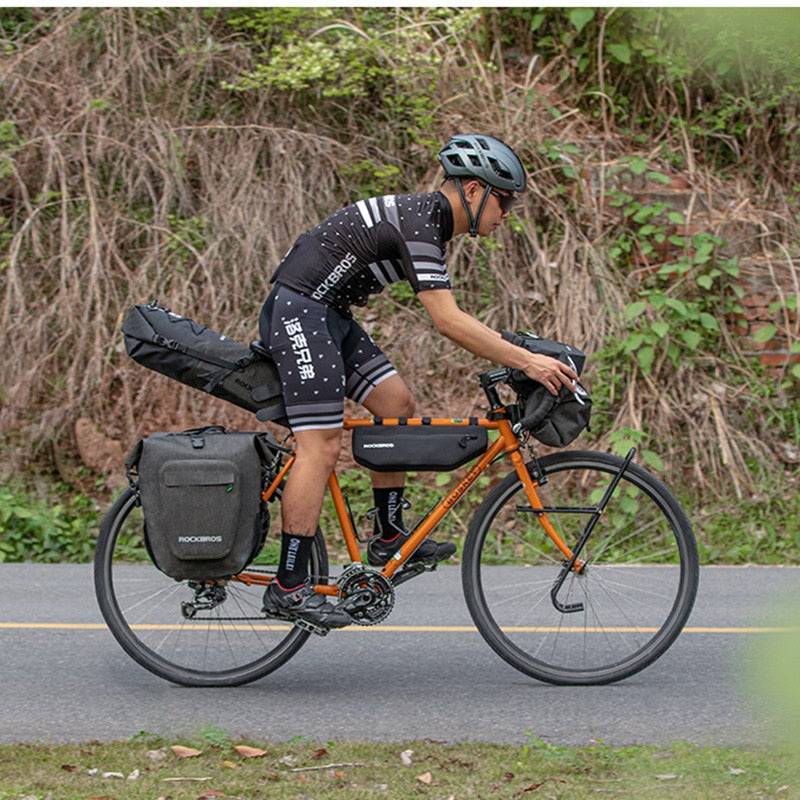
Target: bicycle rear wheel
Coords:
[(228, 643), (636, 592)]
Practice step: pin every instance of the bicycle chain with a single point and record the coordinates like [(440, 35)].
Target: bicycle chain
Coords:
[(363, 591)]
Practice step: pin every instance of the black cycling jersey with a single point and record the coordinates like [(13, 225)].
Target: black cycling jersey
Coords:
[(368, 245)]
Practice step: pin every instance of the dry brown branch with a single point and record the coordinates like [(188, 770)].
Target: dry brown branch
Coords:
[(136, 176)]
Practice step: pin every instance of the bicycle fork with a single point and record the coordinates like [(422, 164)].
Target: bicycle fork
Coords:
[(572, 562)]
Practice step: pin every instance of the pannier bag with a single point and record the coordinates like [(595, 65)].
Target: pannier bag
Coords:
[(553, 420), (436, 448), (193, 354), (201, 497)]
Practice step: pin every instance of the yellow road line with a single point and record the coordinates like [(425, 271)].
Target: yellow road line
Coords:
[(94, 626)]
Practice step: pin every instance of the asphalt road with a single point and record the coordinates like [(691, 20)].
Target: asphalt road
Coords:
[(64, 678)]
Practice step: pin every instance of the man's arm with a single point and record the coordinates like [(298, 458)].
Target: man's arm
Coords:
[(479, 339)]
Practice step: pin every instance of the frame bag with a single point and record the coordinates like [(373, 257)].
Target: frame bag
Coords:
[(193, 354), (201, 496), (436, 448), (553, 420)]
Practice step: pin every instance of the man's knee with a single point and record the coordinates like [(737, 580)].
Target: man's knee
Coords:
[(322, 446), (407, 403), (391, 398)]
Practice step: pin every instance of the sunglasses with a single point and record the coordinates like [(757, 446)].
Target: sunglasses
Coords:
[(506, 200)]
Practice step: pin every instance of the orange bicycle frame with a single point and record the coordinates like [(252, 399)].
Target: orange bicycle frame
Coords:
[(506, 443)]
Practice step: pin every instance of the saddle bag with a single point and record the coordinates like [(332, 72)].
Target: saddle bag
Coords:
[(424, 447), (191, 353), (553, 420), (201, 496)]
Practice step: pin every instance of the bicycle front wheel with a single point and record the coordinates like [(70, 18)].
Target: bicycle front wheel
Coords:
[(607, 621), (220, 638)]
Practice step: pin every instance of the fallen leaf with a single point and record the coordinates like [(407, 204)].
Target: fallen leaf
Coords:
[(230, 765), (338, 774), (157, 755), (134, 775), (185, 752), (70, 768), (113, 775), (249, 752), (317, 754), (405, 757), (734, 771), (425, 778)]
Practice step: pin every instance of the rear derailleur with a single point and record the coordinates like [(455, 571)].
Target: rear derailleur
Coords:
[(207, 595)]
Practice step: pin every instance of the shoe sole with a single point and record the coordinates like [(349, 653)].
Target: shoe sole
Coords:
[(427, 560), (315, 625)]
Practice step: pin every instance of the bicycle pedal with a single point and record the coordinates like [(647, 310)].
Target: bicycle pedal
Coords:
[(412, 570), (305, 625)]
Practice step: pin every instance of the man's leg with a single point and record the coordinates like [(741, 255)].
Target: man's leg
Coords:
[(301, 503), (316, 454), (392, 398), (312, 375)]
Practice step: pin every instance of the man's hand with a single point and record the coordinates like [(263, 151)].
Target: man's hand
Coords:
[(550, 372)]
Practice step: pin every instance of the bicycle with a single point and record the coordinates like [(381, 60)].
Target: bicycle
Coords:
[(578, 567)]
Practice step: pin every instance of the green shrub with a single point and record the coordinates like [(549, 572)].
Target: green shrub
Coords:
[(45, 531)]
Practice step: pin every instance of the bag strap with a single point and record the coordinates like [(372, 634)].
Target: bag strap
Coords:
[(132, 461)]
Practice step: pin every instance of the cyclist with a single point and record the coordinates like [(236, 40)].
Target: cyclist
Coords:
[(323, 355)]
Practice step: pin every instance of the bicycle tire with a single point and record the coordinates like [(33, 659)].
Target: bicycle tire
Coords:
[(229, 645), (637, 591)]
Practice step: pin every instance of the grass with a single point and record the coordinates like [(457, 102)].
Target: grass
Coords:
[(210, 765)]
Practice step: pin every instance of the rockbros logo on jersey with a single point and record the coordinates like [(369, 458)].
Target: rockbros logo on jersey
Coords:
[(337, 273), (300, 348)]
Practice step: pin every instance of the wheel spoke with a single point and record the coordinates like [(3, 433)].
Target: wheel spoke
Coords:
[(636, 591), (227, 641)]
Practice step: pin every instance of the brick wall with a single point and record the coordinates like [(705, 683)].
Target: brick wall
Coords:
[(769, 284), (767, 287)]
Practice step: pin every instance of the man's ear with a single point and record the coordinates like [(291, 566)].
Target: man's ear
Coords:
[(472, 188)]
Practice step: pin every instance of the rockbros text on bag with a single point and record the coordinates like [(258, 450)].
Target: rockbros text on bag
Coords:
[(390, 448), (201, 497)]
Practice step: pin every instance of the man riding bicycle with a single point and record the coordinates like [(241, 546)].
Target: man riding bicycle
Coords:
[(323, 355)]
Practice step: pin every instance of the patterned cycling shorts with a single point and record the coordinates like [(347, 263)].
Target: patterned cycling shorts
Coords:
[(321, 356)]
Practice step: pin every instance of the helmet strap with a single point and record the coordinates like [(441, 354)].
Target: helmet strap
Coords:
[(474, 221)]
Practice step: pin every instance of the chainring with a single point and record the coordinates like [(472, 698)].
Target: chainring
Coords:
[(366, 594)]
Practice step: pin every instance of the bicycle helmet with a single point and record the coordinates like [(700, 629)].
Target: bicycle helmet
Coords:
[(476, 155)]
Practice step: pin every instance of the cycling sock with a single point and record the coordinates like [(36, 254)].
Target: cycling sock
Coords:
[(389, 519), (295, 555)]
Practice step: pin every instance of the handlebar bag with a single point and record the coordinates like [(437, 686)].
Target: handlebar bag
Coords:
[(418, 447), (191, 353), (553, 420), (201, 496)]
